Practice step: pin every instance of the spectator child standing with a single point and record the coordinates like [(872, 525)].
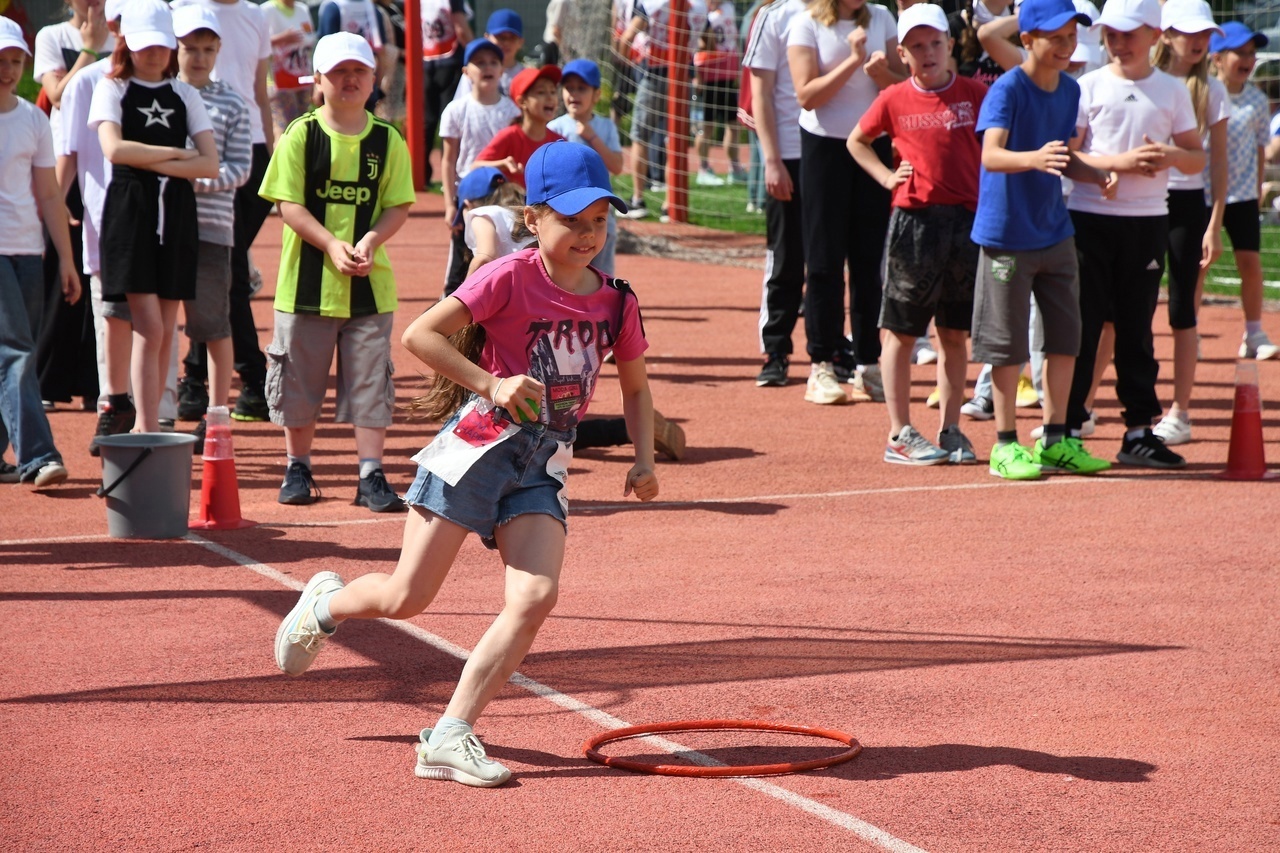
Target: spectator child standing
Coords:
[(336, 290), (143, 117), (1195, 232), (27, 184), (292, 39), (1138, 122), (466, 127), (535, 91), (208, 315), (505, 29), (1235, 53), (580, 86), (498, 467), (931, 261), (1026, 239), (716, 69)]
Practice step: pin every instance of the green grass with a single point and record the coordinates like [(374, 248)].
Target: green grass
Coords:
[(724, 207), (1222, 275), (27, 87)]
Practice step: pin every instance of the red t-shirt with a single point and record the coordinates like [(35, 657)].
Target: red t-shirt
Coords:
[(933, 130), (512, 141)]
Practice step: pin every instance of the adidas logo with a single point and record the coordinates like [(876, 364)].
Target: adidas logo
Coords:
[(1131, 99), (1153, 266)]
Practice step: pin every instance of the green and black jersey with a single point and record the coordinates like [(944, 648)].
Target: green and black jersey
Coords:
[(345, 182)]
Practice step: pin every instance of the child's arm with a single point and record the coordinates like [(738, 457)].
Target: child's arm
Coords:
[(994, 36), (125, 152), (428, 339), (637, 410), (1146, 159), (612, 159), (204, 165), (859, 146), (236, 160), (1052, 157), (777, 180), (1184, 153), (813, 90), (389, 222), (1211, 245), (509, 165), (486, 234), (449, 166), (53, 210)]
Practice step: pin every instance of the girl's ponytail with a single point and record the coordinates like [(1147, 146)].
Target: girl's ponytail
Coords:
[(445, 396)]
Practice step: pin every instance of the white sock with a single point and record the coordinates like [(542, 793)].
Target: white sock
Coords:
[(442, 727), (321, 611), (368, 466), (1134, 434)]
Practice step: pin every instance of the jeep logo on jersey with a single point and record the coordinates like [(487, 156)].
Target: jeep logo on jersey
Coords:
[(371, 162), (345, 192)]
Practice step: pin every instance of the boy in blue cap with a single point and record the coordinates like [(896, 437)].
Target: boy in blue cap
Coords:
[(505, 29), (1026, 239)]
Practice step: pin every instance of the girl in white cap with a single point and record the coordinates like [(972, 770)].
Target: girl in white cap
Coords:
[(149, 236), (1195, 232)]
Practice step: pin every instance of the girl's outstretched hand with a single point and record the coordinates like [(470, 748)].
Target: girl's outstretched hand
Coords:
[(642, 481)]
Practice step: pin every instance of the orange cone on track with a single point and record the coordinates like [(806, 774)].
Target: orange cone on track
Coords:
[(1246, 459), (219, 488)]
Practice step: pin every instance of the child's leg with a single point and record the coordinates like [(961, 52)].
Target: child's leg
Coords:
[(953, 361), (1102, 360), (532, 546), (221, 368), (1058, 371), (895, 362), (145, 364), (428, 550), (1004, 395), (1249, 265)]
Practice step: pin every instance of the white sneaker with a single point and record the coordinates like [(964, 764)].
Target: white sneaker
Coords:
[(708, 178), (50, 474), (1086, 428), (1173, 430), (979, 408), (460, 757), (923, 352), (1258, 346), (300, 637), (823, 388), (868, 381), (912, 448)]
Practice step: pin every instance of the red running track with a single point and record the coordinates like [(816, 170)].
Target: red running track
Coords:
[(1065, 665)]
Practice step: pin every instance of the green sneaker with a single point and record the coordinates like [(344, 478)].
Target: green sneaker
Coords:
[(1013, 462), (1068, 455)]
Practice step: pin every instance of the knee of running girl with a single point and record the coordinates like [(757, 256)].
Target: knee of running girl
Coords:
[(531, 599)]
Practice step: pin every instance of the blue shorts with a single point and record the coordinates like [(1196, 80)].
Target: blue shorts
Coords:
[(512, 479)]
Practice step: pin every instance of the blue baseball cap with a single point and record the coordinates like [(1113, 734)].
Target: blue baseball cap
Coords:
[(504, 21), (1234, 36), (478, 183), (1049, 15), (568, 177), (477, 45), (584, 68)]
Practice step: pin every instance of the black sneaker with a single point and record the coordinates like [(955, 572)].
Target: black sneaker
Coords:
[(1149, 451), (111, 422), (193, 399), (299, 489), (774, 372), (845, 365), (251, 405), (8, 472), (199, 432), (374, 493)]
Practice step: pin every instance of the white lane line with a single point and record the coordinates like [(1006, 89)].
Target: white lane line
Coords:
[(863, 830)]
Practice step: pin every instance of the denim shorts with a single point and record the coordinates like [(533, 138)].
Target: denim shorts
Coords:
[(512, 479)]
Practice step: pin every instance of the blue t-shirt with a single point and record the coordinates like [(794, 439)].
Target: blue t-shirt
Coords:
[(1024, 211)]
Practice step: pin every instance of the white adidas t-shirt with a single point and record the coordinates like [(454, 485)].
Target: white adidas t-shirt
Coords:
[(1115, 114), (1217, 109)]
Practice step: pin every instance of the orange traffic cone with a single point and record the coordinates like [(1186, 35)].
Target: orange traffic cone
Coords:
[(1246, 459), (219, 489)]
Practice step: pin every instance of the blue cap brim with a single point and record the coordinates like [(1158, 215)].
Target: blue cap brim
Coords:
[(1059, 21), (576, 201)]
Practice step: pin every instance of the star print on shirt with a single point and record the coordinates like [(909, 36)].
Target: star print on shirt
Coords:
[(156, 114)]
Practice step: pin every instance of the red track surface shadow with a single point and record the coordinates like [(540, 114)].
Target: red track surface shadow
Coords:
[(1065, 665)]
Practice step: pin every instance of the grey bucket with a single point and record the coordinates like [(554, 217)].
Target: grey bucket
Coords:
[(146, 479)]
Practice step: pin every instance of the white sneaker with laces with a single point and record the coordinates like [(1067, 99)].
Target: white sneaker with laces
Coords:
[(460, 757), (300, 637), (922, 352), (1173, 430), (912, 448), (50, 474), (823, 388), (708, 178), (1258, 346)]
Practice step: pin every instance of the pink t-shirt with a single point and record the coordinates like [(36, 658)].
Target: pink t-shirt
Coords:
[(534, 327)]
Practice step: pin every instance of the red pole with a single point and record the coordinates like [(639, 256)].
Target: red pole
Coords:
[(414, 92), (678, 113)]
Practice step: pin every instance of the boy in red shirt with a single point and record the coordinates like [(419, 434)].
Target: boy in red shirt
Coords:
[(930, 260), (537, 92)]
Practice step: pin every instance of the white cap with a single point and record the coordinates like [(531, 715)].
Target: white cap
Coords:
[(1127, 15), (11, 36), (1188, 16), (144, 25), (922, 15), (188, 19), (339, 47), (1088, 40)]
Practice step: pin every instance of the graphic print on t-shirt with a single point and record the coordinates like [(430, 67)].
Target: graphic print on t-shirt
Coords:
[(565, 356)]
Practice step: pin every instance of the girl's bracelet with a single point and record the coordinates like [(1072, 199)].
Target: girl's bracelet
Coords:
[(92, 53), (497, 388)]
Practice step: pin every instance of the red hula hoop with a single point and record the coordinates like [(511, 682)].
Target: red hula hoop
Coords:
[(590, 747)]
